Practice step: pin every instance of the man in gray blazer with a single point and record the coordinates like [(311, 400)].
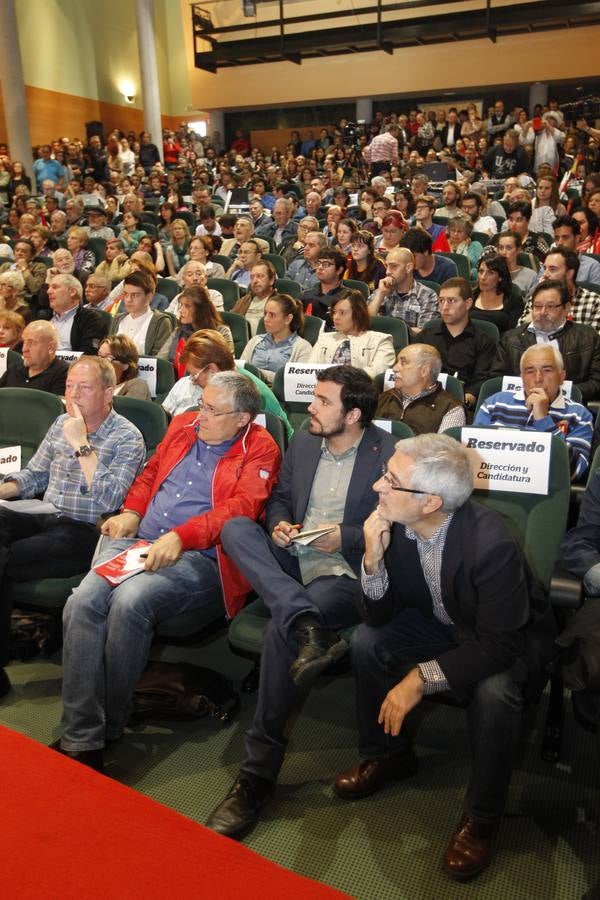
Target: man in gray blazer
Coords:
[(311, 591)]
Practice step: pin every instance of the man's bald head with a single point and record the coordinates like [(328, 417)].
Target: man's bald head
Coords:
[(402, 255), (40, 342)]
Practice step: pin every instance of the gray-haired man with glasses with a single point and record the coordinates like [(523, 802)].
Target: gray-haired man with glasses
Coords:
[(213, 463), (448, 605)]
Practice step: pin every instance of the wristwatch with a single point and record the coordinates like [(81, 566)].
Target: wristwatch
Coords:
[(84, 450)]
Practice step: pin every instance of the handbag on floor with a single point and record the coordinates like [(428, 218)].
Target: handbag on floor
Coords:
[(33, 632), (183, 691)]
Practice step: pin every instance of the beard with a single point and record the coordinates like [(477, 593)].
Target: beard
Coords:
[(337, 427)]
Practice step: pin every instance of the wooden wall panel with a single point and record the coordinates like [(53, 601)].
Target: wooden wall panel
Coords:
[(53, 114), (266, 139)]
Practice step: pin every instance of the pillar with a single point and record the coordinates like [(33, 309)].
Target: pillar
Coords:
[(216, 124), (364, 110), (149, 71), (13, 88), (538, 93)]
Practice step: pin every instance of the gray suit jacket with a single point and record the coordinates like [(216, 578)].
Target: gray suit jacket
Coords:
[(290, 498)]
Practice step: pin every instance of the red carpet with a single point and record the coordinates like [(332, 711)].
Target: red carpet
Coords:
[(71, 834)]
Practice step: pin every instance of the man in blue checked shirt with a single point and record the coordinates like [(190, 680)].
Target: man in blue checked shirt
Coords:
[(84, 467), (541, 406)]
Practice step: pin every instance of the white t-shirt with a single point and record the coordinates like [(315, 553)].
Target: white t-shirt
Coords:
[(136, 329)]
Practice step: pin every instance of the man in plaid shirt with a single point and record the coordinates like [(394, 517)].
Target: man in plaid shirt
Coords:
[(399, 295), (84, 467), (563, 265)]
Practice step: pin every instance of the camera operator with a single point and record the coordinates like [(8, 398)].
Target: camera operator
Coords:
[(382, 152), (594, 133)]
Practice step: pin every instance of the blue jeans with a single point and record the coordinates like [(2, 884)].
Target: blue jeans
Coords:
[(107, 636), (382, 656)]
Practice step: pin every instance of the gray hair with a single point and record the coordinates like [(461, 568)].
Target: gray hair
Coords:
[(245, 395), (427, 355), (14, 279), (310, 221), (284, 203), (378, 180), (322, 238), (71, 282), (535, 348), (183, 270), (441, 467), (102, 281)]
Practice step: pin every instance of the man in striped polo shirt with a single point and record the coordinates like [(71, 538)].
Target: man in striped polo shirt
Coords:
[(541, 406)]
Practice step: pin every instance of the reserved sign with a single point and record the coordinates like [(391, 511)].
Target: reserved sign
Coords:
[(299, 381), (148, 368), (3, 359), (509, 459), (10, 460), (69, 356), (514, 383)]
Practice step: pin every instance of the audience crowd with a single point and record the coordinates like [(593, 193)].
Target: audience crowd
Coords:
[(417, 257)]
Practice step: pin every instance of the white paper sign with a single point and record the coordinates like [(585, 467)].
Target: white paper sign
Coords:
[(3, 359), (240, 363), (69, 356), (261, 419), (389, 383), (10, 460), (147, 368), (384, 424), (509, 459), (299, 381), (514, 383)]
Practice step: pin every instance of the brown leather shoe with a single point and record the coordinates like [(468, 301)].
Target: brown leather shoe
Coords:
[(470, 848), (369, 775)]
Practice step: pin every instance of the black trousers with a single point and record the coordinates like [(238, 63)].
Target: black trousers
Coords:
[(39, 546)]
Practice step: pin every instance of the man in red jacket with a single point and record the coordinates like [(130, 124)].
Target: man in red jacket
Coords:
[(211, 466)]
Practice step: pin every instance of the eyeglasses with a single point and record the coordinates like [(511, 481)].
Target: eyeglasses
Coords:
[(108, 357), (325, 263), (194, 378), (212, 413), (395, 487)]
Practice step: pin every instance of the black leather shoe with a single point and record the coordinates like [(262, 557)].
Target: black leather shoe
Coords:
[(238, 812), (318, 648), (94, 759), (470, 849), (5, 684), (369, 775)]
